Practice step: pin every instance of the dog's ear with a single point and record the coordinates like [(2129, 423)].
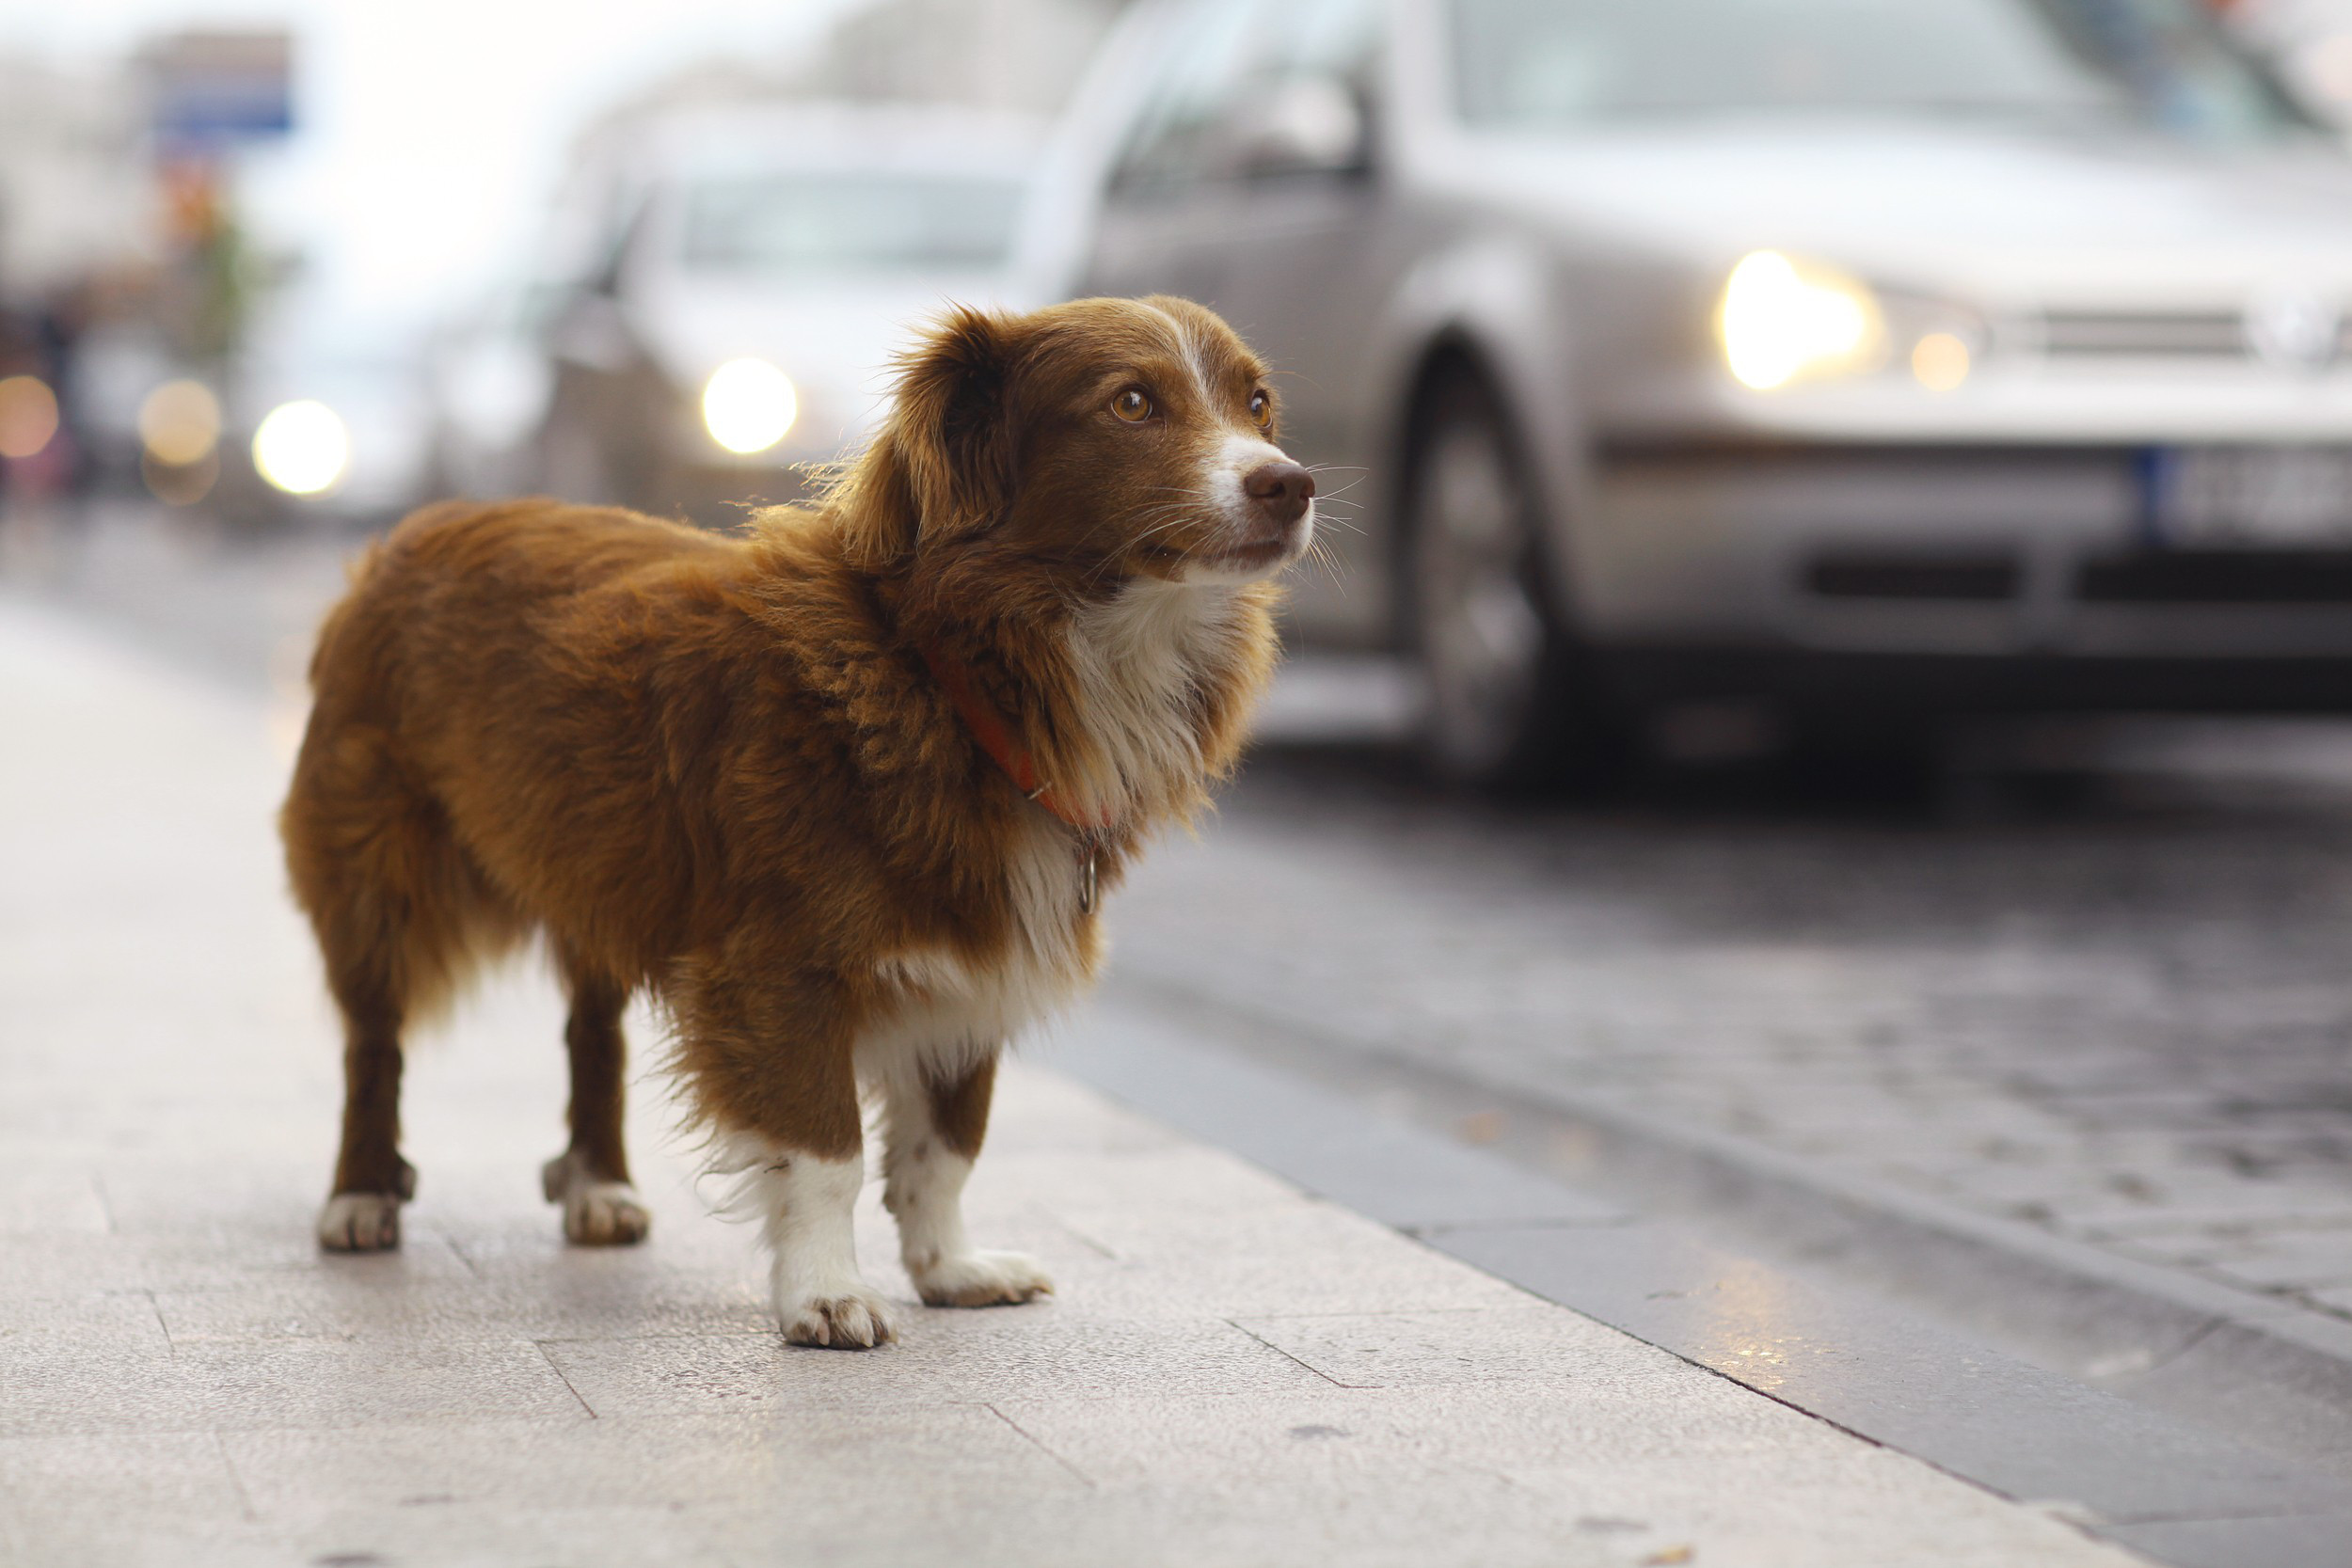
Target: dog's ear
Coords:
[(944, 460)]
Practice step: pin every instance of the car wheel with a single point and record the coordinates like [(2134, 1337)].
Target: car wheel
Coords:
[(1507, 704)]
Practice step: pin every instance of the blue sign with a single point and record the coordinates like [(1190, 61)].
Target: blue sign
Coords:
[(213, 89)]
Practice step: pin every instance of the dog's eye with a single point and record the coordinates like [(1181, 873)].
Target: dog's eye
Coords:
[(1132, 405), (1262, 410)]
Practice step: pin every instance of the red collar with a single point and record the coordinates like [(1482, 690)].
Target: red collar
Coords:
[(999, 742)]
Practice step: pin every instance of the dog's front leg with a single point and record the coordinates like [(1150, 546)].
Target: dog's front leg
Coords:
[(800, 1177), (934, 1125), (808, 1201), (767, 1067)]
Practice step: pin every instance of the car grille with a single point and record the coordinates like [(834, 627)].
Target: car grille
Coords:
[(1856, 576), (2214, 576), (2219, 576), (2106, 334)]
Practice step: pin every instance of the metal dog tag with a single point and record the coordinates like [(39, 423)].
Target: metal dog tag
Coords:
[(1088, 856)]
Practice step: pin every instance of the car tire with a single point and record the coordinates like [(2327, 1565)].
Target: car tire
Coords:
[(1511, 700)]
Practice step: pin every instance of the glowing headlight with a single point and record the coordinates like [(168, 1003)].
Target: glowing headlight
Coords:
[(1779, 320), (301, 448), (748, 404)]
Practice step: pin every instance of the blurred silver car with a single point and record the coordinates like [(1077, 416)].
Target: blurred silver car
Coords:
[(1874, 357), (753, 270)]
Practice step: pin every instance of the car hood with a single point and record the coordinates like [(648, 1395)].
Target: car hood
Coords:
[(1999, 209), (834, 340), (830, 332)]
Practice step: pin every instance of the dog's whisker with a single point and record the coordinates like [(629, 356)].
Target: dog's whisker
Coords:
[(1329, 565)]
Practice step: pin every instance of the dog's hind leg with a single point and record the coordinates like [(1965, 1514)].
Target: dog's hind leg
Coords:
[(935, 1117), (398, 909), (372, 1180), (591, 1178)]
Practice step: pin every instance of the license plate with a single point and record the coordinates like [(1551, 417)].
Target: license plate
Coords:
[(2250, 497)]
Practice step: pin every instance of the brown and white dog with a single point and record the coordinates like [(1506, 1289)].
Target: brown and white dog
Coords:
[(841, 791)]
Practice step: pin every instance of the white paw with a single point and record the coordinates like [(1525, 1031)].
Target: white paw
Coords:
[(361, 1222), (605, 1213), (981, 1279), (851, 1319), (595, 1213)]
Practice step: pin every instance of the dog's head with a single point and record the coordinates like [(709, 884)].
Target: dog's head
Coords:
[(1099, 442)]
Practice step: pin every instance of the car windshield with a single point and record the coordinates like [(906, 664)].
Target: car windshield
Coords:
[(1537, 63), (849, 222)]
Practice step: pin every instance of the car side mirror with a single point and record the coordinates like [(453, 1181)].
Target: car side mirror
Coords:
[(1303, 125)]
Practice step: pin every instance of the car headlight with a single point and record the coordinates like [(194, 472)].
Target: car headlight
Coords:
[(748, 405), (302, 447), (1781, 320)]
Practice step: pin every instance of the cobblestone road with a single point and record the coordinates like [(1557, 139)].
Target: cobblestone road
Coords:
[(2127, 1019)]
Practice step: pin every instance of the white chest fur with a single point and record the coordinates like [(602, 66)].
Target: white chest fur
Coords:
[(949, 1008), (1137, 658)]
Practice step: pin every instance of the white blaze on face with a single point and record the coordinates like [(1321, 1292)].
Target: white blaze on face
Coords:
[(1240, 456), (1229, 464)]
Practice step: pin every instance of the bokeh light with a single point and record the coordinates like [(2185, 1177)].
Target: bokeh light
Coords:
[(179, 483), (1940, 362), (302, 447), (180, 422), (28, 415), (748, 405)]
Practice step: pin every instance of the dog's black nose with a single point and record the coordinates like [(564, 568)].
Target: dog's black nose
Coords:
[(1282, 490)]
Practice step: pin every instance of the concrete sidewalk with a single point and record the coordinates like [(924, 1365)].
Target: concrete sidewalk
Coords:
[(1233, 1373)]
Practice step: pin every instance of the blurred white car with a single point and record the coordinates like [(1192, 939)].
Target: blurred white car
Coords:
[(490, 387), (1851, 354), (330, 420), (758, 270)]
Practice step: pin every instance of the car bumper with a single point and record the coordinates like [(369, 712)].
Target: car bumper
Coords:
[(1856, 685), (1956, 554)]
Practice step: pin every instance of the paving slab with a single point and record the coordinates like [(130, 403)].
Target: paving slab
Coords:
[(983, 1358), (114, 1498)]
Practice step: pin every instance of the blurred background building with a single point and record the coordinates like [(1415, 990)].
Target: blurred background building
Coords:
[(1019, 55), (346, 216)]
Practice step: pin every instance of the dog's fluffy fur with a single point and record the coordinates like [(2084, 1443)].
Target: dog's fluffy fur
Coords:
[(723, 769)]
